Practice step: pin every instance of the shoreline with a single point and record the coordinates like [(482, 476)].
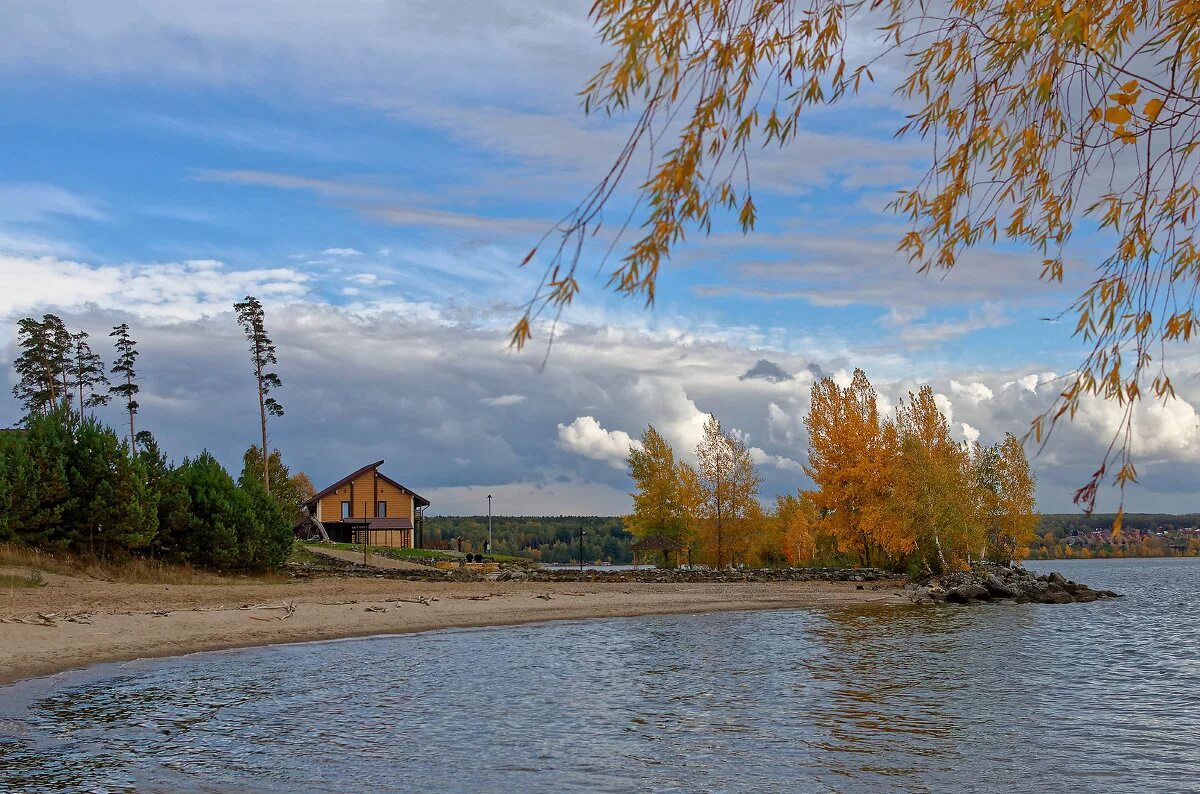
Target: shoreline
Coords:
[(86, 622)]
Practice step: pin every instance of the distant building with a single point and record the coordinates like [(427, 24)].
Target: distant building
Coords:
[(366, 506)]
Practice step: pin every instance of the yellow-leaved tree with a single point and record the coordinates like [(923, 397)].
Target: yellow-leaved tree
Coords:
[(730, 484), (657, 507), (796, 529), (1042, 118), (852, 459), (1005, 488), (936, 489)]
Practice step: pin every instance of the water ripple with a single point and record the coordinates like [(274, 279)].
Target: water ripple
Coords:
[(1096, 697)]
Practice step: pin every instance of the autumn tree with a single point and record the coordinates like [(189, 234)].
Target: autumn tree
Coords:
[(690, 493), (126, 387), (795, 530), (1006, 492), (252, 318), (87, 373), (291, 491), (730, 482), (852, 458), (657, 509), (1041, 120), (936, 488)]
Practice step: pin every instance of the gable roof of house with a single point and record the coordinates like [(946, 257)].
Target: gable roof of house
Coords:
[(418, 500)]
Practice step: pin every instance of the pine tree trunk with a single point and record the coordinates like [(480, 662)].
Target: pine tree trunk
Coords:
[(262, 415), (129, 405)]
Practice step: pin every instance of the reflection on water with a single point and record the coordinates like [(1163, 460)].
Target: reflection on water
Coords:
[(1100, 696)]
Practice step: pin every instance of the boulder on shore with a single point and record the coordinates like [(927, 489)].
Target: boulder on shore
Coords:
[(988, 581)]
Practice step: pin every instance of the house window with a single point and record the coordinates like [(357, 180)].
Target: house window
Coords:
[(345, 509), (381, 509)]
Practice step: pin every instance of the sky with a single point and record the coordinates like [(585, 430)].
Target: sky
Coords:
[(375, 172)]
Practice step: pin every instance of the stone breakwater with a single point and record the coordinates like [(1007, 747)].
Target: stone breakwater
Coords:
[(1000, 583), (985, 582)]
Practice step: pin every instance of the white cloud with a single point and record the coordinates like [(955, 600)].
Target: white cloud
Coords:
[(342, 252), (503, 400), (969, 433), (586, 437), (163, 291), (762, 458), (975, 392), (945, 406)]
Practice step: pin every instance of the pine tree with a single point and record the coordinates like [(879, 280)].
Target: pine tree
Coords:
[(60, 344), (87, 370), (43, 494), (127, 388), (173, 505), (114, 511), (43, 366), (252, 318)]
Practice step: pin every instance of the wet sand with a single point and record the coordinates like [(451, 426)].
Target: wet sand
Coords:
[(88, 621)]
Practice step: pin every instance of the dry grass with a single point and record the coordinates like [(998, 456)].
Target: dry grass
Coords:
[(135, 570), (11, 581)]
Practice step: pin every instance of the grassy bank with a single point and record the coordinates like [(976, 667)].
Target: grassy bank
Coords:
[(135, 570)]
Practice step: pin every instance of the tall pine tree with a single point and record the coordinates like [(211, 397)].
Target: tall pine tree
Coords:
[(252, 318), (127, 389), (87, 371), (43, 368)]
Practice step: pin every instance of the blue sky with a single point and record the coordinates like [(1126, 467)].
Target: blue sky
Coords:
[(375, 172)]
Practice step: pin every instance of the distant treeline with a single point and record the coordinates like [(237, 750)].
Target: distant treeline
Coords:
[(1064, 524), (549, 539), (1067, 535)]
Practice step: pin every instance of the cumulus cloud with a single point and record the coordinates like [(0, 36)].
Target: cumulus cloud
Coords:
[(969, 433), (762, 458), (975, 392), (586, 437)]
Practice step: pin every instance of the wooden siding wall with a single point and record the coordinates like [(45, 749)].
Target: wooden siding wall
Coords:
[(399, 504), (367, 490)]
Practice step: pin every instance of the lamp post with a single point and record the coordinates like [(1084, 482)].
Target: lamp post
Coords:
[(581, 534), (489, 543)]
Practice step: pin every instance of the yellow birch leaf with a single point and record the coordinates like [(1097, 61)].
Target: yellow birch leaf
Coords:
[(1117, 115)]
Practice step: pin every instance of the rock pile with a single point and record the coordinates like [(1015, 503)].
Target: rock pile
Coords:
[(988, 582)]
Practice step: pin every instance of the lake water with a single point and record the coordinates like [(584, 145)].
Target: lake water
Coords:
[(1082, 697)]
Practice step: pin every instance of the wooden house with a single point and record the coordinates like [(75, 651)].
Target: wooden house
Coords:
[(367, 506)]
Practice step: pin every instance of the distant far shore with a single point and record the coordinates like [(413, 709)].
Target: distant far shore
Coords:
[(72, 622)]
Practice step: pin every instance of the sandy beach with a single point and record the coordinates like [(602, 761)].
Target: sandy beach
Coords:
[(75, 622)]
